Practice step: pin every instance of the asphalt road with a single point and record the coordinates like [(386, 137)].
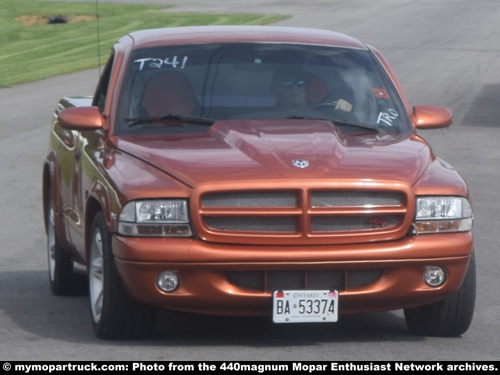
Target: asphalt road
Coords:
[(444, 52)]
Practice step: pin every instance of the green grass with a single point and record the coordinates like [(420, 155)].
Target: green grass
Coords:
[(30, 52)]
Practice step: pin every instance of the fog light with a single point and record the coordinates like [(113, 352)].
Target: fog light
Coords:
[(168, 281), (434, 275)]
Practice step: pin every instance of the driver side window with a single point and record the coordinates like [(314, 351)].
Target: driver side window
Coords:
[(102, 88)]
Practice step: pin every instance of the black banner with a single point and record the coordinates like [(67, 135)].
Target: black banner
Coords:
[(239, 367)]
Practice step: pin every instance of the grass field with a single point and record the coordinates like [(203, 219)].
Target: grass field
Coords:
[(31, 48)]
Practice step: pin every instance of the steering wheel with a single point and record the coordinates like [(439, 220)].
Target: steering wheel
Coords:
[(338, 105)]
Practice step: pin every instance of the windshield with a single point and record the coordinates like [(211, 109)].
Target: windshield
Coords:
[(199, 84)]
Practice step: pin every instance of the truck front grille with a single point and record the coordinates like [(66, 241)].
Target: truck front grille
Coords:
[(305, 215)]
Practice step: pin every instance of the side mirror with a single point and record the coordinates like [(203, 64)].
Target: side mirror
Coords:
[(431, 117), (80, 118)]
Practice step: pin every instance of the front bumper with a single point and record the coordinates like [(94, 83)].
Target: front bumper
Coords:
[(205, 285)]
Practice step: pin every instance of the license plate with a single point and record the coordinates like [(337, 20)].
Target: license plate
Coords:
[(299, 306)]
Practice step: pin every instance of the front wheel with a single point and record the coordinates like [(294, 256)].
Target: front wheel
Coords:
[(63, 281), (114, 314), (450, 317)]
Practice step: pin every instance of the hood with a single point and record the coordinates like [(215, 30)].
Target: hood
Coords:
[(277, 149)]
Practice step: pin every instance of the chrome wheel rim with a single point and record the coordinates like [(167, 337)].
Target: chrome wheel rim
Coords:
[(51, 243), (96, 276)]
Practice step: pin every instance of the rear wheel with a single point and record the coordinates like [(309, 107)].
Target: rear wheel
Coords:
[(449, 317), (114, 314), (63, 281)]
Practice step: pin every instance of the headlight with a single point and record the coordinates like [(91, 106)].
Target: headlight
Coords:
[(443, 214), (155, 218)]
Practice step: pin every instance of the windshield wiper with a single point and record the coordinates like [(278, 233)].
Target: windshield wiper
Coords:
[(170, 120), (335, 122)]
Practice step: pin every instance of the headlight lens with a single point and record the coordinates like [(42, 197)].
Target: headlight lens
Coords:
[(155, 218), (443, 214)]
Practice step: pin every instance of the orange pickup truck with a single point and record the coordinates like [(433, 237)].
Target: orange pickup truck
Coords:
[(254, 170)]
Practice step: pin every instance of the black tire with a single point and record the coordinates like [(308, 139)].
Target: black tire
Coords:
[(63, 281), (450, 317), (114, 314)]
